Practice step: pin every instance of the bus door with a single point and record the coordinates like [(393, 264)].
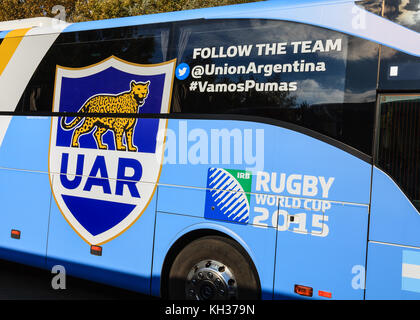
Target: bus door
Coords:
[(393, 262)]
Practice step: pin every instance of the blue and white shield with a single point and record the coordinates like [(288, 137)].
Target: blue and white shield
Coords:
[(104, 171)]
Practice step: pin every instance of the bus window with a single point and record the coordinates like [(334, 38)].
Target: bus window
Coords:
[(312, 77), (398, 151), (404, 13), (84, 48), (399, 70)]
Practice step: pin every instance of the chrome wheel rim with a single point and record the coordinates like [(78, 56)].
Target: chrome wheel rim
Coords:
[(211, 280)]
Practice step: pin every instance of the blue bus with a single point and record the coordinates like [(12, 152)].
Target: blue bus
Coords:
[(267, 150)]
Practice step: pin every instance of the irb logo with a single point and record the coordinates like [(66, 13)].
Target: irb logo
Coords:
[(228, 195), (104, 170)]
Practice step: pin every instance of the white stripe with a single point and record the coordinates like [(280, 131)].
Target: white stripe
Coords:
[(227, 196), (21, 67), (236, 195), (215, 192), (237, 208), (19, 71), (217, 177), (212, 175), (227, 183), (235, 204), (221, 181), (222, 194), (411, 271), (242, 212), (344, 203), (4, 124), (393, 244), (244, 217)]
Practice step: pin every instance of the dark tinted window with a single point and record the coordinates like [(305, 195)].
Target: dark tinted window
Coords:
[(400, 71), (374, 6), (80, 49), (309, 76), (404, 12), (399, 142), (313, 77)]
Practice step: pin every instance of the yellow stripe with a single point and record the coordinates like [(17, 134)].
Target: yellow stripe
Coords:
[(9, 46)]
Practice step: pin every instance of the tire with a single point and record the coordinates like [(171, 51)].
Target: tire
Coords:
[(232, 273)]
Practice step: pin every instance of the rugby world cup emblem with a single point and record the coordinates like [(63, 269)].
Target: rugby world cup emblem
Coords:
[(104, 170), (228, 195)]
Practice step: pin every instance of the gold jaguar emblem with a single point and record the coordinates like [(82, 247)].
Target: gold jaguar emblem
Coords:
[(125, 102)]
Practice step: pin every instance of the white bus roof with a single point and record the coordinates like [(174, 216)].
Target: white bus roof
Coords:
[(27, 23)]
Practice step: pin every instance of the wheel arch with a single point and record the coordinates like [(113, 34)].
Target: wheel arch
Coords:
[(191, 235)]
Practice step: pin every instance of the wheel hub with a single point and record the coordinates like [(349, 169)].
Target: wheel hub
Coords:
[(210, 280)]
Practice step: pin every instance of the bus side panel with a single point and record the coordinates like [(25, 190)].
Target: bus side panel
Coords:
[(181, 200), (258, 242), (25, 204), (322, 240), (328, 261), (25, 144), (125, 262), (393, 218), (394, 223), (393, 272), (25, 193), (292, 176)]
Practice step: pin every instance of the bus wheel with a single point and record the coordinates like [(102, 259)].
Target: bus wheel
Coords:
[(212, 268)]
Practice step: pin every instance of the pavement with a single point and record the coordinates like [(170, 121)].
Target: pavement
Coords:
[(20, 282)]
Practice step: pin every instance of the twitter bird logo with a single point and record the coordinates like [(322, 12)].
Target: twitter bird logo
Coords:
[(182, 71)]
